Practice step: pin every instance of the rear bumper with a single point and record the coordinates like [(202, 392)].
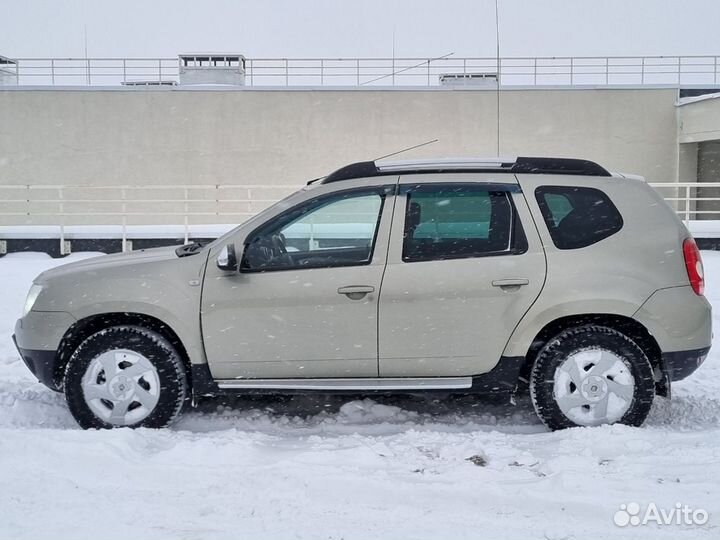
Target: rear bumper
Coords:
[(678, 319), (680, 364), (41, 364)]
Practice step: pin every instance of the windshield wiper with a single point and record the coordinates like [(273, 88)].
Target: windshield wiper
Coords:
[(193, 248)]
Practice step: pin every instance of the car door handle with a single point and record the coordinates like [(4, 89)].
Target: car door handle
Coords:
[(517, 282), (356, 292)]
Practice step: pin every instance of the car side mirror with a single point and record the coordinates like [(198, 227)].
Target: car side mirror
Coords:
[(227, 260)]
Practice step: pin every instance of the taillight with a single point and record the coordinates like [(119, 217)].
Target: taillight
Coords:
[(694, 266)]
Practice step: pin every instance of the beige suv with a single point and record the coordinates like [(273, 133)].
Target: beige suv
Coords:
[(545, 275)]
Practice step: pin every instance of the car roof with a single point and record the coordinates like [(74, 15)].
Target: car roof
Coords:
[(524, 165)]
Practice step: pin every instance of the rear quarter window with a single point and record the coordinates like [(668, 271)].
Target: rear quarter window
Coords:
[(577, 217)]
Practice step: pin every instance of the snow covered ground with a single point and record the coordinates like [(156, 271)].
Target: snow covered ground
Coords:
[(347, 468)]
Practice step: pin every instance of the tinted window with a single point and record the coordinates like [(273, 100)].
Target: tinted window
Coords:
[(450, 221), (334, 231), (577, 216)]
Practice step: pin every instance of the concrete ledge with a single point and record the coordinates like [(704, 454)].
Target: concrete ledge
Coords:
[(327, 88), (108, 239), (111, 232)]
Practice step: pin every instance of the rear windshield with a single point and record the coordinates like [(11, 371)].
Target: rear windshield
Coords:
[(577, 217)]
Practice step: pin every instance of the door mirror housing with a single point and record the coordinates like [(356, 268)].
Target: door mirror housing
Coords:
[(227, 260)]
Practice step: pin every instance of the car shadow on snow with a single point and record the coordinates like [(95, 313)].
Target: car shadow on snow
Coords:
[(345, 412), (398, 412)]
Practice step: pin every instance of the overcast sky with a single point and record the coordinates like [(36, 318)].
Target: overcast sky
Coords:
[(349, 28)]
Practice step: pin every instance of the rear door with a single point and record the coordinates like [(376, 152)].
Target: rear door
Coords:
[(464, 265)]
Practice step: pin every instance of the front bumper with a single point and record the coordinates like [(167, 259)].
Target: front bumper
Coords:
[(42, 364), (37, 337)]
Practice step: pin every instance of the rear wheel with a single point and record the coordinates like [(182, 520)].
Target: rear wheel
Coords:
[(125, 376), (591, 375)]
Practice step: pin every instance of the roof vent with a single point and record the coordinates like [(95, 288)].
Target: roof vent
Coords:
[(475, 80), (212, 68), (149, 83)]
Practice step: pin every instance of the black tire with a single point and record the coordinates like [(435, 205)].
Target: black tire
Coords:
[(173, 392), (573, 340)]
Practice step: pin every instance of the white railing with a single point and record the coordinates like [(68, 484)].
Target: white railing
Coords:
[(684, 197), (67, 206), (83, 205), (359, 72)]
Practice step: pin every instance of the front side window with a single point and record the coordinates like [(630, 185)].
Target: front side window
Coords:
[(338, 230), (577, 217), (457, 221)]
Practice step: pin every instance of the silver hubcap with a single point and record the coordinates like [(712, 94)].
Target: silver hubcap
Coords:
[(593, 387), (121, 387)]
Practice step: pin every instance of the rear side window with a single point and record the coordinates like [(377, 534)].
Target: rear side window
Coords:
[(457, 221), (577, 217)]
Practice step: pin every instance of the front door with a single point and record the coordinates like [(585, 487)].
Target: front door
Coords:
[(465, 264), (304, 304)]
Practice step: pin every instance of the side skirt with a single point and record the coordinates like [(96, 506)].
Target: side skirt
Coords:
[(501, 379), (350, 384)]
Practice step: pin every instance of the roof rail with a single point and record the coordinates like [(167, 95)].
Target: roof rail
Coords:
[(520, 165), (551, 165)]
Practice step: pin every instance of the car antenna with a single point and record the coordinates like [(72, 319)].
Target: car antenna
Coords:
[(407, 149), (386, 156)]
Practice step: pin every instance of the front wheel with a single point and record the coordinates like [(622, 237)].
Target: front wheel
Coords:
[(591, 375), (125, 376)]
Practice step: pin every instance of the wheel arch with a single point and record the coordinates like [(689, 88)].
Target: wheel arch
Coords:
[(626, 325), (84, 328)]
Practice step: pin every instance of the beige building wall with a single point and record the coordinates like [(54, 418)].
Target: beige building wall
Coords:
[(699, 133), (275, 140), (699, 120), (632, 131), (688, 162)]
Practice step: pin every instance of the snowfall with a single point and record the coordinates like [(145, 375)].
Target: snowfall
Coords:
[(348, 468)]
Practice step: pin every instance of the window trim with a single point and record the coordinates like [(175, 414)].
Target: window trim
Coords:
[(549, 219), (315, 203), (517, 241)]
